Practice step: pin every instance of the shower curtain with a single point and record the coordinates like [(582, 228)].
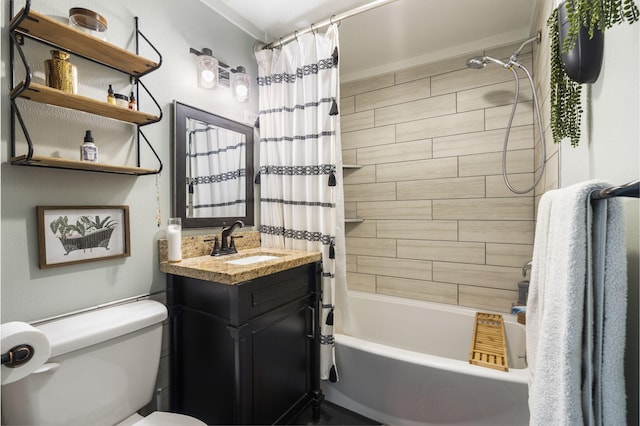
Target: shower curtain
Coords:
[(216, 173), (302, 202)]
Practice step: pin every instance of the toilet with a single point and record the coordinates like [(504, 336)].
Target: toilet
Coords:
[(101, 371)]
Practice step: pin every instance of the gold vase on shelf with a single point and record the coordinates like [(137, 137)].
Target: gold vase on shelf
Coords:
[(61, 74)]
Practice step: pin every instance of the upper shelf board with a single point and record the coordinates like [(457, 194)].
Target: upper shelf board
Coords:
[(68, 38)]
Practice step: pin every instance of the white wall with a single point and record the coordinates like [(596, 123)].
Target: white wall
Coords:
[(610, 150), (29, 293)]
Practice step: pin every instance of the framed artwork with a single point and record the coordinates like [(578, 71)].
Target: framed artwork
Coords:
[(78, 234)]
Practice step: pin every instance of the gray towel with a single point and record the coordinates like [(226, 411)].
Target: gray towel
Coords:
[(577, 310)]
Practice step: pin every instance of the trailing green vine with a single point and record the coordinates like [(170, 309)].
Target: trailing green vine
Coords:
[(565, 97)]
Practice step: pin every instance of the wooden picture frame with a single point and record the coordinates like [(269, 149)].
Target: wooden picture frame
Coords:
[(78, 234)]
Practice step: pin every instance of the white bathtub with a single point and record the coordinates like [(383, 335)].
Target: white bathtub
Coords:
[(405, 362)]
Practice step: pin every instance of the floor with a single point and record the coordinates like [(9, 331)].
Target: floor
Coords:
[(332, 414)]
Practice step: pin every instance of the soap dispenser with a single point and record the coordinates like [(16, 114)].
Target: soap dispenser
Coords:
[(88, 150)]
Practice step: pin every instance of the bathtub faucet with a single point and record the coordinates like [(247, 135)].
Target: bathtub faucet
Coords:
[(525, 267)]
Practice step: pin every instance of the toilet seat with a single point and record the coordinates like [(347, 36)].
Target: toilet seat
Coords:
[(162, 418)]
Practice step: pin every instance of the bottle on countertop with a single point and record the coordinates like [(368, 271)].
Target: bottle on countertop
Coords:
[(88, 150), (111, 99), (132, 102)]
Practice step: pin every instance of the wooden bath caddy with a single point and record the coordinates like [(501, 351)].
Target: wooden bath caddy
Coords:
[(488, 347)]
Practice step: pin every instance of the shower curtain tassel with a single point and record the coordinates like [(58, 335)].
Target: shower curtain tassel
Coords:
[(257, 179), (333, 374), (332, 179), (332, 251), (335, 56), (329, 320), (334, 108)]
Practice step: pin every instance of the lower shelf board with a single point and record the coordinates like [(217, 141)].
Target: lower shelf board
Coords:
[(62, 163)]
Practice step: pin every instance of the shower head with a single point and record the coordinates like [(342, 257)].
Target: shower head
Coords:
[(478, 62)]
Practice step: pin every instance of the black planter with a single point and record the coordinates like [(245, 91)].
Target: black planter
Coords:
[(582, 63)]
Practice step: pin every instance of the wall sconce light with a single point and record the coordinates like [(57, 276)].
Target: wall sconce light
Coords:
[(207, 69), (212, 73), (240, 84)]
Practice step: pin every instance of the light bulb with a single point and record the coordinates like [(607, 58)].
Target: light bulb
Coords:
[(240, 84), (207, 76), (242, 91), (207, 72)]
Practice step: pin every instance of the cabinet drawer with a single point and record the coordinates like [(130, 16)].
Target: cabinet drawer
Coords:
[(262, 295)]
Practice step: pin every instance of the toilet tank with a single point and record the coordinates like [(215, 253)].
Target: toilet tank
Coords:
[(102, 368)]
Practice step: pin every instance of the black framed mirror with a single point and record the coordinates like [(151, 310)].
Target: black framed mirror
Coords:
[(213, 169)]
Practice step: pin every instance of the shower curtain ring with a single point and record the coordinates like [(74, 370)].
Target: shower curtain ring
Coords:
[(295, 34), (313, 30), (331, 20)]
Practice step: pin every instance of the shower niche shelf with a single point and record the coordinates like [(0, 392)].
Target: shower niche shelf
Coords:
[(352, 167), (28, 23)]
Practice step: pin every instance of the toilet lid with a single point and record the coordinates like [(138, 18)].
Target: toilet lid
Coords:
[(161, 418)]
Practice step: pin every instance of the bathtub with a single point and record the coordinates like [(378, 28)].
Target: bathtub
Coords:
[(405, 362)]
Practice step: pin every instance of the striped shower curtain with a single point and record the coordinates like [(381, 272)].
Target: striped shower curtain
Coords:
[(302, 204)]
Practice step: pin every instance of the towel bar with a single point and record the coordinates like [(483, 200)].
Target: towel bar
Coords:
[(631, 189)]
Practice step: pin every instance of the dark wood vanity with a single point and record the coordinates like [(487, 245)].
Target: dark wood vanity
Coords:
[(246, 353)]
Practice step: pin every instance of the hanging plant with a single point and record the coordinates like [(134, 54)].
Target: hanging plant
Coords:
[(565, 96), (597, 15), (566, 108)]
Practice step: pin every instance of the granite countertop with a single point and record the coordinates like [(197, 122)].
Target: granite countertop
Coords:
[(216, 268)]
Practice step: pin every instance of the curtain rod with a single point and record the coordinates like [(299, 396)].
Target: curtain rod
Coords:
[(329, 21)]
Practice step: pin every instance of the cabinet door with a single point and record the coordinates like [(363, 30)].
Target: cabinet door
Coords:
[(203, 372), (280, 354)]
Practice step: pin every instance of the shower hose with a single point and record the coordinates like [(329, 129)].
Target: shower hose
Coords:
[(543, 152)]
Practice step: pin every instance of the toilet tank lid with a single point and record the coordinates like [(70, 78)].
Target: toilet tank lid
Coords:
[(90, 328)]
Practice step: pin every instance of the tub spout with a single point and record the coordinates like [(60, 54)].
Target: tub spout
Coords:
[(525, 267)]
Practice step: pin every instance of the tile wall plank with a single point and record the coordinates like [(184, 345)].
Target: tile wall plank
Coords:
[(398, 94)]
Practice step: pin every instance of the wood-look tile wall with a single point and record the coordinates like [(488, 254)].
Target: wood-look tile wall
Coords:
[(439, 222), (541, 53)]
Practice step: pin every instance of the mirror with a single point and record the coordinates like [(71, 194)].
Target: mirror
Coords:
[(213, 169)]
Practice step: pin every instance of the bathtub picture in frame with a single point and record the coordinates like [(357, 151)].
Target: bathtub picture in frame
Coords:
[(79, 234)]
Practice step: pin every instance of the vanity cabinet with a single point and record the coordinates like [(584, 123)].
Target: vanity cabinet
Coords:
[(28, 23), (246, 353)]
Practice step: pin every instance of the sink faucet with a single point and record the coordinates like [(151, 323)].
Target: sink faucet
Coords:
[(226, 232)]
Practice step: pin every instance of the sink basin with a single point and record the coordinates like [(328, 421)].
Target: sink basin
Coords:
[(251, 259)]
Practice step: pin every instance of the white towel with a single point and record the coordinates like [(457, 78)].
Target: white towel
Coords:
[(563, 330)]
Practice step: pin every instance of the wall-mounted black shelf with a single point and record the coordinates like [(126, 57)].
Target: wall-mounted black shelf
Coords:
[(31, 24)]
